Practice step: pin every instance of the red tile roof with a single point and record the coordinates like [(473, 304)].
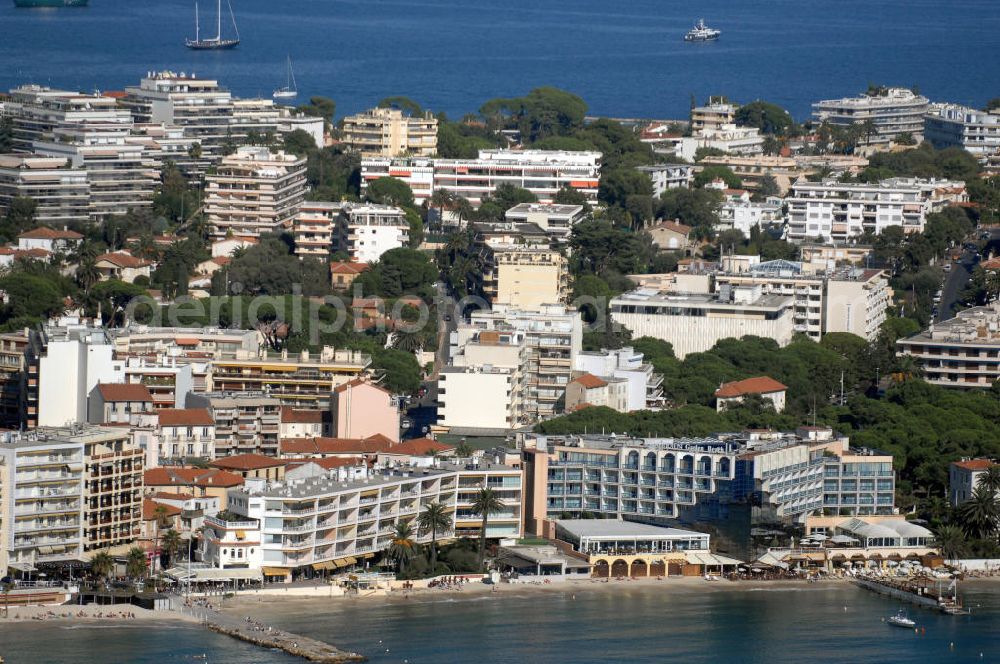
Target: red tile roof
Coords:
[(124, 392), (247, 462), (122, 259), (347, 267), (164, 495), (674, 226), (291, 415), (589, 381), (149, 509), (974, 464), (200, 477), (757, 385), (43, 233), (420, 447), (185, 417)]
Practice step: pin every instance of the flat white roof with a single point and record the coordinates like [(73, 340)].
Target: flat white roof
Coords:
[(599, 529)]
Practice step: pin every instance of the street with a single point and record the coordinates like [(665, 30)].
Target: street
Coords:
[(422, 413), (954, 284)]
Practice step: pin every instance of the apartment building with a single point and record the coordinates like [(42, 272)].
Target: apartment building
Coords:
[(415, 172), (745, 215), (196, 482), (366, 231), (668, 176), (185, 433), (305, 380), (962, 352), (36, 112), (556, 220), (752, 170), (481, 397), (838, 299), (837, 212), (729, 138), (735, 393), (542, 172), (168, 380), (112, 488), (42, 507), (712, 116), (315, 229), (178, 342), (336, 519), (644, 387), (891, 111), (64, 363), (523, 277), (552, 337), (789, 476), (695, 322), (12, 377), (386, 132), (254, 192), (61, 192), (953, 126), (120, 174), (245, 422), (66, 490)]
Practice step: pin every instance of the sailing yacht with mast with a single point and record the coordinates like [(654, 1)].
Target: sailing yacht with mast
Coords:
[(290, 90), (216, 42)]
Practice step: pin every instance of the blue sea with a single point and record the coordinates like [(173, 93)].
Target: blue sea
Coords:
[(593, 625), (626, 58)]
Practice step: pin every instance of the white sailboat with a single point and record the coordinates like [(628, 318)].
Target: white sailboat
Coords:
[(290, 90), (216, 42)]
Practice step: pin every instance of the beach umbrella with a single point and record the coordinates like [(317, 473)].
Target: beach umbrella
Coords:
[(819, 537), (842, 539)]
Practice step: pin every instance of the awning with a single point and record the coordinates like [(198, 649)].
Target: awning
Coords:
[(241, 534), (45, 550), (275, 571), (343, 562), (324, 565)]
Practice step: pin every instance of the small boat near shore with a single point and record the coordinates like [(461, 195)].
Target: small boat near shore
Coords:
[(900, 620)]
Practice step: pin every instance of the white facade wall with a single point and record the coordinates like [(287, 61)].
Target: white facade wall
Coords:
[(67, 373), (479, 399)]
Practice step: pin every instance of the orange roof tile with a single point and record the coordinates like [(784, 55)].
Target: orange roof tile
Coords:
[(290, 415), (124, 392), (347, 267), (44, 233), (589, 381), (974, 464), (757, 385), (149, 508), (122, 259), (200, 477), (191, 417)]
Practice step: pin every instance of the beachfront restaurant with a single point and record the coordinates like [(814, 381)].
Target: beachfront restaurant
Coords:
[(835, 543), (526, 562), (618, 549)]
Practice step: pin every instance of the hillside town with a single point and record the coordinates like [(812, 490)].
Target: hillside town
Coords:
[(250, 345)]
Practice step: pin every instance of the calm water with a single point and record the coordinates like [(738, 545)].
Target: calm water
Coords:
[(635, 625), (625, 58)]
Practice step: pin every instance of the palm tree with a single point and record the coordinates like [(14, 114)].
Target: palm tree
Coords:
[(980, 513), (433, 520), (990, 479), (407, 340), (486, 503), (87, 273), (102, 564), (441, 198), (136, 565), (162, 520), (172, 544), (403, 547), (950, 541)]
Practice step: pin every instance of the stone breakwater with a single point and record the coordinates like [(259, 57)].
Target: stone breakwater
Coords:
[(300, 646)]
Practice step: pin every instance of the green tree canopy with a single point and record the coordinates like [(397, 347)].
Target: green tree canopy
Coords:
[(769, 118), (390, 191)]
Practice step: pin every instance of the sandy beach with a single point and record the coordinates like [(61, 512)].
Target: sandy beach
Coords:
[(88, 613)]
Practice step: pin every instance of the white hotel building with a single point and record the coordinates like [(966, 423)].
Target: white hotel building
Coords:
[(896, 111), (336, 519), (542, 172), (975, 131)]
